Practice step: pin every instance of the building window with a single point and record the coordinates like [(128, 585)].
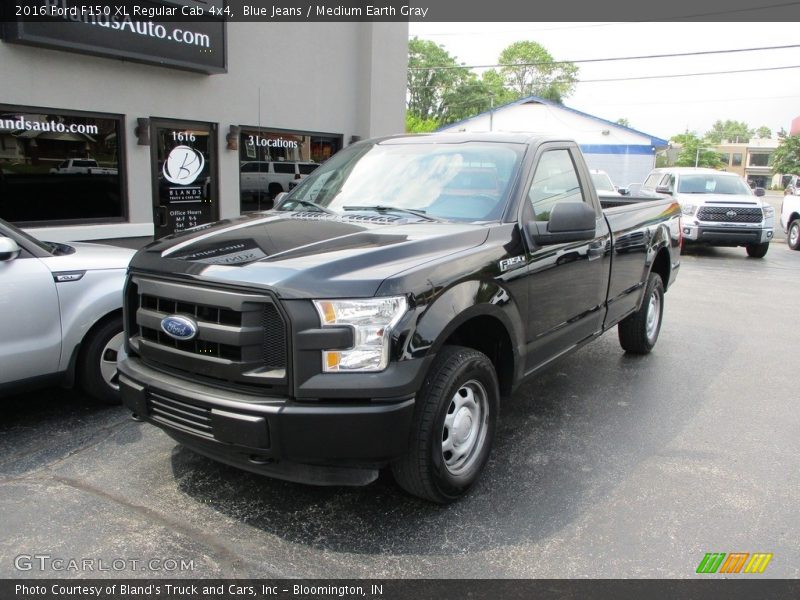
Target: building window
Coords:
[(736, 159), (60, 166), (275, 161), (725, 158), (759, 160)]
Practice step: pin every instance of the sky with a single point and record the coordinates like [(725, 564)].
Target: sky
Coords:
[(659, 107)]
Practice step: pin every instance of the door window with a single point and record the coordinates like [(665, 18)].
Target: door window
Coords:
[(555, 180)]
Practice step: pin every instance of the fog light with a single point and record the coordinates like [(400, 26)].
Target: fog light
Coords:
[(687, 231), (769, 234)]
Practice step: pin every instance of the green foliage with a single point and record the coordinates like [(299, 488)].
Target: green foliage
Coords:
[(684, 138), (534, 72), (764, 132), (624, 122), (416, 125), (427, 88), (734, 131), (694, 152), (786, 158)]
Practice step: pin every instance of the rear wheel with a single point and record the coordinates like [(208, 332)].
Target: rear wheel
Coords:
[(757, 250), (97, 364), (793, 239), (453, 427), (638, 333)]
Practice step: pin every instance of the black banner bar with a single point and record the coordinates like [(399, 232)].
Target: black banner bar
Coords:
[(401, 10), (372, 589)]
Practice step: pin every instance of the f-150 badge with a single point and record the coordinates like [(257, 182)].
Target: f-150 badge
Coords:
[(507, 263)]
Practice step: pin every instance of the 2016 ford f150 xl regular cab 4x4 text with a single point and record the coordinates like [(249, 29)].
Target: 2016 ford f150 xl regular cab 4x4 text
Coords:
[(379, 313)]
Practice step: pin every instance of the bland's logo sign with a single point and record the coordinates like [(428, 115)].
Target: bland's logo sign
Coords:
[(183, 165)]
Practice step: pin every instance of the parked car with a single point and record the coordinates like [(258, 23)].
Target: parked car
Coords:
[(273, 177), (790, 220), (603, 184), (792, 185), (60, 313), (378, 313), (719, 208), (82, 166)]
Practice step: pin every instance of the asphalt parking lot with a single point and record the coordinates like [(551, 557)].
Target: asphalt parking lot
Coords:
[(606, 466)]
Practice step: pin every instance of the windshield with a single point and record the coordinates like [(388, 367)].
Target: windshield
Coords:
[(602, 182), (711, 183), (9, 230), (460, 181)]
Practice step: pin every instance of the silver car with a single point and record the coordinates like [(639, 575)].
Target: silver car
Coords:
[(60, 313)]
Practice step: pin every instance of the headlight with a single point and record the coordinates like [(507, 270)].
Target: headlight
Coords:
[(769, 211), (688, 209), (372, 320)]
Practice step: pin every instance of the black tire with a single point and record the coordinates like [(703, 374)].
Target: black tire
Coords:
[(793, 237), (426, 470), (94, 353), (274, 190), (637, 335), (757, 250)]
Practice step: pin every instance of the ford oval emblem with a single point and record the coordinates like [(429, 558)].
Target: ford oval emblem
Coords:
[(178, 327)]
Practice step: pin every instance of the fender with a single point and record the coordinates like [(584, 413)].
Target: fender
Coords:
[(457, 305), (83, 304), (661, 238)]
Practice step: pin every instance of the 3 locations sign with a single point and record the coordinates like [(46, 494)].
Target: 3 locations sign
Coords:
[(149, 31)]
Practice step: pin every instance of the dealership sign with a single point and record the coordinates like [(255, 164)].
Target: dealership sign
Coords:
[(168, 34)]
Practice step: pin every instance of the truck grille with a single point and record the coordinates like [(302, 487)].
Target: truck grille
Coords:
[(726, 214), (241, 336), (180, 415)]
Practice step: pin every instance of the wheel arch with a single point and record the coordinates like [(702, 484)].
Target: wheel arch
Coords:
[(465, 315)]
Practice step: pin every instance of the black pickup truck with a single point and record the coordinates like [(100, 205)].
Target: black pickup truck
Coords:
[(378, 314)]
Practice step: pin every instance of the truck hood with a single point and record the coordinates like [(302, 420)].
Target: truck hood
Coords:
[(303, 255), (89, 257), (719, 199)]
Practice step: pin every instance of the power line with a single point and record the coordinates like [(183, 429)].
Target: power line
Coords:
[(638, 78), (611, 59)]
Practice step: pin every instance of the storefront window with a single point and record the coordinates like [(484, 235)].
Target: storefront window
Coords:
[(59, 166), (737, 159), (274, 161), (759, 160)]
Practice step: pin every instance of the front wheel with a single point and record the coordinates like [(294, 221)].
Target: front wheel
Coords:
[(793, 239), (638, 333), (97, 366), (757, 250), (453, 426)]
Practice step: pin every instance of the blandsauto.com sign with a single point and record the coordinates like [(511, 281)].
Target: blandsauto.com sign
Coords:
[(195, 45)]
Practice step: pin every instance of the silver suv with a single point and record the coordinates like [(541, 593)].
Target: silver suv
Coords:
[(60, 313), (718, 208)]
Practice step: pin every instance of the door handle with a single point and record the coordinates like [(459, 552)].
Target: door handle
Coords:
[(160, 216)]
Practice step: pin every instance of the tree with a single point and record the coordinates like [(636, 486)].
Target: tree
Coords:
[(764, 132), (733, 131), (786, 158), (416, 125), (694, 152), (624, 122), (427, 87), (531, 71)]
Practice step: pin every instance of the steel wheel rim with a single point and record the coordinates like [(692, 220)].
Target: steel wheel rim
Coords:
[(108, 361), (794, 234), (465, 427), (653, 316)]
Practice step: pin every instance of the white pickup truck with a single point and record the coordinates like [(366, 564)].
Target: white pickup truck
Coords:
[(81, 166), (790, 219), (718, 208)]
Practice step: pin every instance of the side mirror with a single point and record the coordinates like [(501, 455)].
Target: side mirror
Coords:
[(663, 189), (9, 250), (759, 191), (279, 198), (569, 222)]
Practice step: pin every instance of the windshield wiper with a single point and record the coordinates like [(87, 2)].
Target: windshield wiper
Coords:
[(306, 203), (383, 208)]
